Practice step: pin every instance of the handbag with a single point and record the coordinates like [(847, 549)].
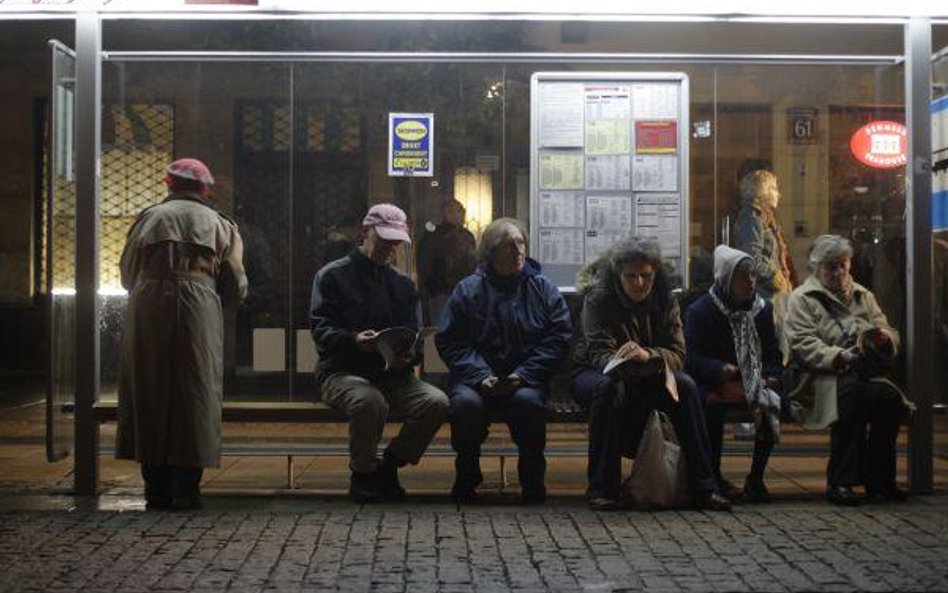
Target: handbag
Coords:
[(659, 477)]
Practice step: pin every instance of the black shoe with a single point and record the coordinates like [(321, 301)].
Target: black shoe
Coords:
[(605, 504), (158, 503), (842, 496), (463, 494), (729, 491), (755, 491), (363, 487), (891, 494), (191, 503), (387, 480), (712, 501), (528, 497)]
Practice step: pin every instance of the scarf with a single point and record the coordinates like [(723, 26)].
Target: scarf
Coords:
[(763, 401), (788, 275)]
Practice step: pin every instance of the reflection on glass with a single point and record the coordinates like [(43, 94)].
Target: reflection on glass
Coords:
[(299, 152), (60, 257)]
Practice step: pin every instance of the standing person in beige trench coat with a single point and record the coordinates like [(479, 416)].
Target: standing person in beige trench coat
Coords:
[(182, 261), (839, 334)]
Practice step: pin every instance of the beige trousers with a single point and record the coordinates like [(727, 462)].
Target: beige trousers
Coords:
[(367, 405)]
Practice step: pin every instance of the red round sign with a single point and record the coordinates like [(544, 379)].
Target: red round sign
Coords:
[(881, 144)]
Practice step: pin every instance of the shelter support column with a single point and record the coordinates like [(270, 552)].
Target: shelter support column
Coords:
[(918, 236), (88, 96)]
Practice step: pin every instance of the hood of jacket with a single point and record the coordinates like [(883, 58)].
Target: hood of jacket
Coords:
[(726, 260)]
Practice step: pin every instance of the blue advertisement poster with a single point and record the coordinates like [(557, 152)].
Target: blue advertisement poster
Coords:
[(410, 144)]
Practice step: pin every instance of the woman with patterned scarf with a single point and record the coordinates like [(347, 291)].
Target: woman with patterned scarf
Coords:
[(733, 355), (758, 234)]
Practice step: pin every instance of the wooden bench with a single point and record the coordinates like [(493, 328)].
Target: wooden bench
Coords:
[(559, 410)]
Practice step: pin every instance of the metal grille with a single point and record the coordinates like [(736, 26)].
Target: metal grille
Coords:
[(137, 145), (286, 229), (261, 184), (332, 130)]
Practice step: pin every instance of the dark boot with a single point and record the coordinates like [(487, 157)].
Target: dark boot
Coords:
[(157, 486), (363, 487), (387, 479), (186, 488), (755, 491)]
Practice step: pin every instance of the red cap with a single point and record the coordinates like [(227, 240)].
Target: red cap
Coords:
[(191, 169), (388, 221)]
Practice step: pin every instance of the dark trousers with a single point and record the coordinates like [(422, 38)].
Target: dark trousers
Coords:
[(618, 411), (763, 442), (862, 441), (525, 412), (166, 482)]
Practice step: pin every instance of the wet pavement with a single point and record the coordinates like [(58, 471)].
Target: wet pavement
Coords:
[(254, 534)]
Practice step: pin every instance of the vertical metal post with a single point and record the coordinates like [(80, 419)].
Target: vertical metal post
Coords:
[(918, 236), (88, 91)]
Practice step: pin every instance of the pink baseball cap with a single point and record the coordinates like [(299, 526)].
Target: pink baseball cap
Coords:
[(191, 169), (388, 221)]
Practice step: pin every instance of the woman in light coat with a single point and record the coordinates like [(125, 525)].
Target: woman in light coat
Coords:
[(839, 335)]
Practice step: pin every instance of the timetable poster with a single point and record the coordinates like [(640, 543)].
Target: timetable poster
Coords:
[(608, 163)]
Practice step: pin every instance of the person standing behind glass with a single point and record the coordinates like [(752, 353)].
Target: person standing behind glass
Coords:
[(504, 330), (445, 257), (840, 336), (353, 299), (733, 350), (182, 261), (758, 234), (629, 311)]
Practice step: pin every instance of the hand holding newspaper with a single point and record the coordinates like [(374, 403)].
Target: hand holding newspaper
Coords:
[(399, 343), (633, 360)]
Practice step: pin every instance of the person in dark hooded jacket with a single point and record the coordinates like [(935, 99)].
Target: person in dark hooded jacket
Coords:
[(734, 355), (629, 313), (504, 330)]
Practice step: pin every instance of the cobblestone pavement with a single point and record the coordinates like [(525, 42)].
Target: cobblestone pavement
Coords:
[(308, 544)]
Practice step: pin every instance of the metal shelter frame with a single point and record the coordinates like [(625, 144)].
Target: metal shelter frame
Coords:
[(920, 335)]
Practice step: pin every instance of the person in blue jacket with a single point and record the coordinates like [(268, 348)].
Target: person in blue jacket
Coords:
[(505, 329), (733, 354)]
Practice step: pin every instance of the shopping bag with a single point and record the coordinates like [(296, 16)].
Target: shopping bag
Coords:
[(658, 478)]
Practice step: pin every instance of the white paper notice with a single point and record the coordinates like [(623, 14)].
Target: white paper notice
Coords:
[(599, 241), (609, 172), (561, 170), (561, 246), (562, 209), (608, 102), (561, 115), (655, 101), (655, 173), (608, 120), (658, 217), (611, 213)]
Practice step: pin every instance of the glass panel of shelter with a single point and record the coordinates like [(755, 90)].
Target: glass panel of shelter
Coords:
[(940, 205), (299, 152)]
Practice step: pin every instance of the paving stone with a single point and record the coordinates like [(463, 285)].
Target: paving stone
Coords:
[(784, 547)]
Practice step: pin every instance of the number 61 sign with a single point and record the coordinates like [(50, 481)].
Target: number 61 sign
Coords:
[(802, 126)]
